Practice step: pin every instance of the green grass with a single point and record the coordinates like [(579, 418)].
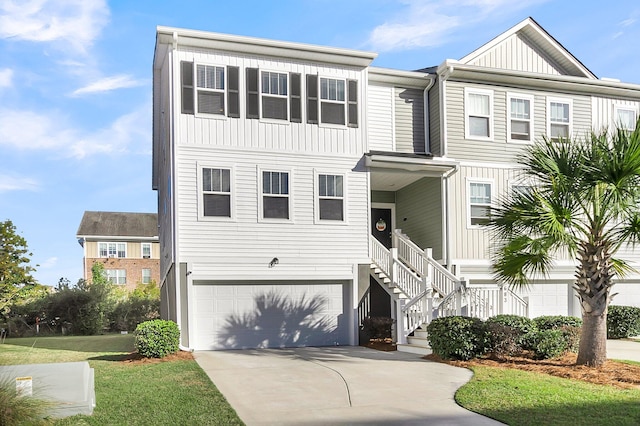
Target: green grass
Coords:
[(164, 393), (518, 397)]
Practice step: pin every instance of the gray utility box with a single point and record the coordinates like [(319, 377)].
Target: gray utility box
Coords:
[(68, 385)]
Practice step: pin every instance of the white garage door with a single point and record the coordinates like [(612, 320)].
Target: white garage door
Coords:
[(240, 316)]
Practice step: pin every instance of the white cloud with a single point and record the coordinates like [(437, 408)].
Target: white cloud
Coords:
[(75, 22), (49, 263), (427, 23), (627, 22), (29, 130), (6, 77), (17, 183), (107, 84)]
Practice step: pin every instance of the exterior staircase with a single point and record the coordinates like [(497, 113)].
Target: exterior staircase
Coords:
[(422, 289)]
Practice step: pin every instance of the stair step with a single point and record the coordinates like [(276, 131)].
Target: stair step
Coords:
[(418, 341), (420, 333), (413, 349)]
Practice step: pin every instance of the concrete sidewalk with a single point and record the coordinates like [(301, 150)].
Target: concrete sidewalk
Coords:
[(623, 349), (348, 385)]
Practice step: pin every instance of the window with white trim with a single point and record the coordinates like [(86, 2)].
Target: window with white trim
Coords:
[(330, 197), (479, 203), (146, 276), (625, 117), (210, 89), (117, 276), (112, 249), (274, 89), (332, 101), (275, 195), (520, 118), (216, 192), (146, 250), (559, 118), (478, 114)]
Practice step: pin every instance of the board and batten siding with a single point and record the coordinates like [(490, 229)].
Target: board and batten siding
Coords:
[(242, 247), (518, 54), (419, 213), (380, 118), (409, 120), (275, 135), (500, 149)]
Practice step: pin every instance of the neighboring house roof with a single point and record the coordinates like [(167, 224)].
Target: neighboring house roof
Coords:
[(118, 224), (539, 42)]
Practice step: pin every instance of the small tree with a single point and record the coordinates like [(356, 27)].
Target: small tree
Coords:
[(15, 271), (585, 202)]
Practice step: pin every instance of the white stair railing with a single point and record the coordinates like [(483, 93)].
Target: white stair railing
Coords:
[(420, 280)]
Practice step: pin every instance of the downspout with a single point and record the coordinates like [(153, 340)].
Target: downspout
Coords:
[(174, 192), (444, 71), (427, 129)]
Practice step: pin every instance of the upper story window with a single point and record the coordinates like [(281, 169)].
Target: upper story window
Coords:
[(479, 203), (273, 95), (330, 197), (559, 118), (274, 89), (145, 248), (520, 118), (478, 114), (210, 84), (625, 117), (332, 101), (117, 276), (112, 249), (275, 195), (215, 92), (216, 192)]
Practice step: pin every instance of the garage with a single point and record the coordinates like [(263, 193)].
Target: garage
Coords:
[(239, 315)]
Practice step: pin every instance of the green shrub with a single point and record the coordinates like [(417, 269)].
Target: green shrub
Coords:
[(571, 336), (623, 321), (377, 327), (553, 322), (157, 338), (549, 344), (508, 334), (457, 337)]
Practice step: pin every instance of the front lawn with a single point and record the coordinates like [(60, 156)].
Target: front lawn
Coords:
[(129, 393), (518, 397)]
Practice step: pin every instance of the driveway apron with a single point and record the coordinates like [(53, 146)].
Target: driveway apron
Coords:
[(347, 385)]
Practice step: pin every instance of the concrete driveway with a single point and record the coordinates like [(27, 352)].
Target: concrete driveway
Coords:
[(347, 385)]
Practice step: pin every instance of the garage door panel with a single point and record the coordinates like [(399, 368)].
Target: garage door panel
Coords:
[(271, 315)]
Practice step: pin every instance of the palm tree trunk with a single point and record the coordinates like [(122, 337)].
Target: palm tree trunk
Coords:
[(593, 285), (593, 340)]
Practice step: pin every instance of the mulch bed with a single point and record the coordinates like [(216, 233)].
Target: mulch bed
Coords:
[(381, 345), (136, 358), (612, 373)]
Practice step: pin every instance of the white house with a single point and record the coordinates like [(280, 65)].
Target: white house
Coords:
[(300, 189)]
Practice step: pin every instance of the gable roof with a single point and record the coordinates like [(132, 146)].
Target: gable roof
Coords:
[(118, 224), (539, 43)]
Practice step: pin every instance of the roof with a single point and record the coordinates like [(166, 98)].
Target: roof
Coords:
[(539, 37), (118, 224)]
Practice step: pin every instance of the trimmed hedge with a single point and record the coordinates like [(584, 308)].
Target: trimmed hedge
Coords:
[(464, 338), (458, 337), (623, 321), (553, 322), (157, 338)]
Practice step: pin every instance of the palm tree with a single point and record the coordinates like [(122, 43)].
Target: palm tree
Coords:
[(583, 200)]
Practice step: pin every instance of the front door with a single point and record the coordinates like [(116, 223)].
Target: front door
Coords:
[(381, 226)]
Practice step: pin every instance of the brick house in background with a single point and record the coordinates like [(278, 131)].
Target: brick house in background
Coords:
[(127, 244)]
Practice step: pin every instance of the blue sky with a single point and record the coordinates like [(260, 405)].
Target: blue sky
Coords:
[(75, 84)]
